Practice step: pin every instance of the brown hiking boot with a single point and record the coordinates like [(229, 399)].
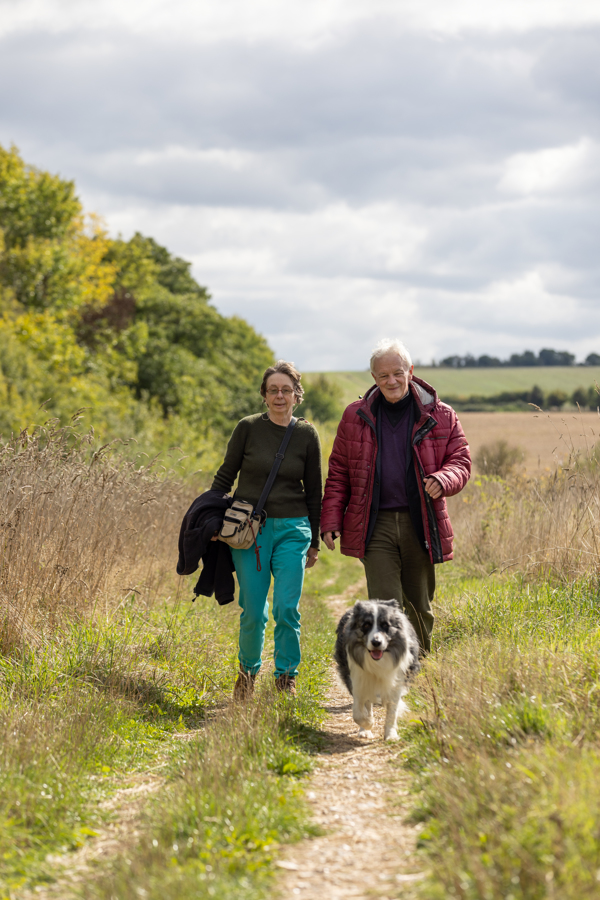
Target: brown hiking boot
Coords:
[(286, 684), (244, 686)]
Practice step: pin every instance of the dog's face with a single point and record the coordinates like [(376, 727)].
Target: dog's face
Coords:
[(376, 627)]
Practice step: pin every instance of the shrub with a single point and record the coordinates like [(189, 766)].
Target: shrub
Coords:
[(322, 399), (557, 399), (536, 396), (498, 458), (579, 397)]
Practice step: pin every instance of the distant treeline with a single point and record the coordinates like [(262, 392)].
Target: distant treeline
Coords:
[(584, 398), (546, 357)]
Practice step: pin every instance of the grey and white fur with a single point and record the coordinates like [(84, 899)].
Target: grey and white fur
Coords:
[(377, 653)]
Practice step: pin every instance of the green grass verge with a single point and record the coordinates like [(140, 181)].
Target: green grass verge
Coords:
[(149, 689), (504, 740), (96, 703), (233, 794)]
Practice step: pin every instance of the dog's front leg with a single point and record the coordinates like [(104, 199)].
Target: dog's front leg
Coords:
[(362, 713), (392, 709)]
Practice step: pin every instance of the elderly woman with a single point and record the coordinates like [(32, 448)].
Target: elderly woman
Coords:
[(289, 541)]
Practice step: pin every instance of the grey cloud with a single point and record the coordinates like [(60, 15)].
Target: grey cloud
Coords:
[(376, 113), (569, 67), (375, 116)]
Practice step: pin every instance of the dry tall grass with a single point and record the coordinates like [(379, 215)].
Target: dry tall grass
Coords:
[(79, 530), (546, 526), (507, 745)]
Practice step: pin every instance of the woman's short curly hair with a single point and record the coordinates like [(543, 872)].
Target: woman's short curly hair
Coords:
[(285, 368)]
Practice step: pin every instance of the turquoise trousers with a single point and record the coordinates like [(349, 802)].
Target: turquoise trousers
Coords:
[(283, 546)]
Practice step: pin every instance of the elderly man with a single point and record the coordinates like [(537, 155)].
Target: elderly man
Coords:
[(399, 451)]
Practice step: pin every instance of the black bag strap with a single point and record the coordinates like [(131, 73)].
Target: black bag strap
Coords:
[(273, 473)]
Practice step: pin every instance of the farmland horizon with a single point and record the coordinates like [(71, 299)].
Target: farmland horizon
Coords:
[(466, 382)]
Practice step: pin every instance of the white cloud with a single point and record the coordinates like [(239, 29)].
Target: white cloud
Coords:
[(288, 21), (551, 169), (324, 286), (527, 305), (229, 159)]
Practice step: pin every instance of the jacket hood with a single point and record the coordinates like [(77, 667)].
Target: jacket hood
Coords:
[(424, 391)]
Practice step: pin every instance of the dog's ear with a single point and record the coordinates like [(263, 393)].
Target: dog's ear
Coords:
[(393, 603), (360, 608)]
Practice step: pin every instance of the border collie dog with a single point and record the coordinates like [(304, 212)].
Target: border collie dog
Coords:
[(377, 653)]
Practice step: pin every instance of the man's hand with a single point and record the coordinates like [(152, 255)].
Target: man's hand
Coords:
[(311, 557), (433, 488), (329, 538)]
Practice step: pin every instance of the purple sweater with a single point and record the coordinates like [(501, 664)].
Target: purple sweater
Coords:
[(394, 450)]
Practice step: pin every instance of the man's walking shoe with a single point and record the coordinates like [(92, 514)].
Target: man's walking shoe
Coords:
[(286, 684), (244, 686)]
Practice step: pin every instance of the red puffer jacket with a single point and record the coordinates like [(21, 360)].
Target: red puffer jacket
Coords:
[(439, 448)]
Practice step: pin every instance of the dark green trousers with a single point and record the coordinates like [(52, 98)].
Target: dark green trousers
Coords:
[(397, 568)]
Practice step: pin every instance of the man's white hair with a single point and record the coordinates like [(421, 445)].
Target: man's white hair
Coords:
[(391, 345)]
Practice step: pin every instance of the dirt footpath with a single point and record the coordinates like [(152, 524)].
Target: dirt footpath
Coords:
[(360, 800)]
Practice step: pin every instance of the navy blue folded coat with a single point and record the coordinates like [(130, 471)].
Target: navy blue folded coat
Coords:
[(203, 518)]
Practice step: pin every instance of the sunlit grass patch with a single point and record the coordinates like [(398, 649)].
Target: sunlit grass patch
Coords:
[(83, 711), (233, 793), (517, 611), (504, 740), (526, 828)]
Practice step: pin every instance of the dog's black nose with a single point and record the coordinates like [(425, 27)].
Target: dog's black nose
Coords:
[(376, 642)]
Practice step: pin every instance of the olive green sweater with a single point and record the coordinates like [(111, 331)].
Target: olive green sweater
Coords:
[(298, 488)]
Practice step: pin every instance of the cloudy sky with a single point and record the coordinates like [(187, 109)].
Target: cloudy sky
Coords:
[(337, 170)]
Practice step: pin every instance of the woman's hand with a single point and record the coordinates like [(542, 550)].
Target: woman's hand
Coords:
[(311, 557), (329, 539)]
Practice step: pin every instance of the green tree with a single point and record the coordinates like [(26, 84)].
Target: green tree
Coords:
[(119, 326), (50, 256), (322, 400), (536, 396), (580, 398), (557, 399), (593, 398), (550, 357)]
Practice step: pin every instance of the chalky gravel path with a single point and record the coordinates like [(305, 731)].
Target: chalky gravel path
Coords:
[(360, 802)]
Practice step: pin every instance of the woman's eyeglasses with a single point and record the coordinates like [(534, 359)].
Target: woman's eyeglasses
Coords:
[(287, 392)]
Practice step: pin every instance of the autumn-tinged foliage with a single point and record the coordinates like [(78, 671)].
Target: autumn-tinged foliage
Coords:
[(120, 327)]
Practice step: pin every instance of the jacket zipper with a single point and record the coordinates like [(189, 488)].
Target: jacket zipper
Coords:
[(434, 533), (362, 415)]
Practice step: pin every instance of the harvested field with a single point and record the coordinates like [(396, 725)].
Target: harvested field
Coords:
[(546, 439)]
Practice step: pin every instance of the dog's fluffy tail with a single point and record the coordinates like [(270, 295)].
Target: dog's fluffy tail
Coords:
[(414, 650)]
